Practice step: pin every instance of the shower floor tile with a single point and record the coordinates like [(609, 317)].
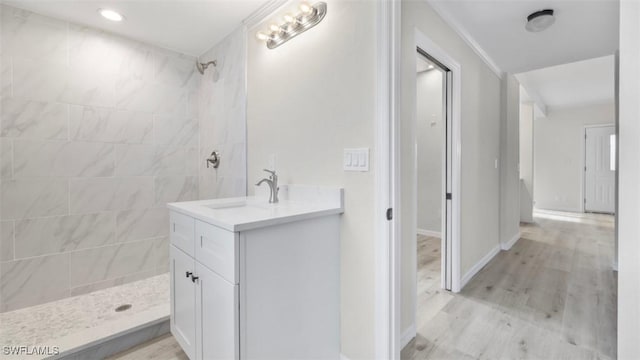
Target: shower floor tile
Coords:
[(76, 321)]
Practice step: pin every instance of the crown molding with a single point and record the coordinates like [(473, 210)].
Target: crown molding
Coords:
[(263, 12), (464, 34)]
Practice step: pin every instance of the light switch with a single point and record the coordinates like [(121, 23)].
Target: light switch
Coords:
[(347, 159), (356, 159)]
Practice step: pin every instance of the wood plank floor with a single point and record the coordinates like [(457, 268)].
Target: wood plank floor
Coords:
[(162, 348), (552, 296)]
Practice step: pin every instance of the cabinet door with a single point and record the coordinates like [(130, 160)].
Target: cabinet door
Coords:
[(183, 301), (217, 319)]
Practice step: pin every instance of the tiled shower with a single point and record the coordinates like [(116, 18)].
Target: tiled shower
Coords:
[(97, 133)]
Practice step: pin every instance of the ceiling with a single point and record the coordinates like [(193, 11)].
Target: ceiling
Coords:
[(190, 27), (579, 83), (583, 29)]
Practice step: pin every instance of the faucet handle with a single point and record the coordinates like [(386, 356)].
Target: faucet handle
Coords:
[(272, 172)]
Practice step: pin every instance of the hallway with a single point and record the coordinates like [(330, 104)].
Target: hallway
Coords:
[(552, 296)]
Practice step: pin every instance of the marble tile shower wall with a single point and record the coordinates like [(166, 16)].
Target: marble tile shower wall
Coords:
[(222, 112), (97, 133)]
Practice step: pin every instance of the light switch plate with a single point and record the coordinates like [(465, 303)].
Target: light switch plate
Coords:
[(356, 159)]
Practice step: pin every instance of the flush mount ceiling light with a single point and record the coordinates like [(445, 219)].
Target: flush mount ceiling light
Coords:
[(540, 20), (111, 15)]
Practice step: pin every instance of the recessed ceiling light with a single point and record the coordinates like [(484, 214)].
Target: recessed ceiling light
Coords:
[(111, 15), (540, 20)]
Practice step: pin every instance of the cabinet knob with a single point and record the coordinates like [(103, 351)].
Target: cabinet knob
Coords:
[(194, 278), (189, 273)]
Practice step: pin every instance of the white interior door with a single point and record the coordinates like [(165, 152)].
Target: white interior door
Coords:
[(600, 179)]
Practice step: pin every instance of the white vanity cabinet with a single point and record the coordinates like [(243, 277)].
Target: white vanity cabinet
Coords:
[(255, 283)]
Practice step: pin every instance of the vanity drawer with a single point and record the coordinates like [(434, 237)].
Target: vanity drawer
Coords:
[(181, 232), (218, 250)]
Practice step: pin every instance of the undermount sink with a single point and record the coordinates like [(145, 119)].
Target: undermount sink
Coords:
[(234, 205)]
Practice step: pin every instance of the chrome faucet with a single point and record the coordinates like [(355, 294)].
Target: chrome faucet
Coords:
[(272, 181)]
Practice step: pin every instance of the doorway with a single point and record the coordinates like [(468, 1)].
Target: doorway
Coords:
[(600, 169), (445, 204), (433, 79)]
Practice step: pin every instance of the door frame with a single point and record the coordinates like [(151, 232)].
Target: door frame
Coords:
[(388, 246), (450, 232), (583, 184), (386, 256)]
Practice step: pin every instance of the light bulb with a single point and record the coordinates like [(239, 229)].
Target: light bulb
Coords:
[(275, 28), (111, 15), (306, 8), (290, 19), (262, 36)]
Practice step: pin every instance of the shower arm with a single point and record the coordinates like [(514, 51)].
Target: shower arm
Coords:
[(203, 66), (213, 62)]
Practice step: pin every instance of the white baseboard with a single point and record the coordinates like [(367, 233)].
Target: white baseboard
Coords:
[(509, 244), (429, 233), (557, 208), (478, 266), (407, 335)]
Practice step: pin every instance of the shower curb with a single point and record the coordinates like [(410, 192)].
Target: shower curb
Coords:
[(118, 342)]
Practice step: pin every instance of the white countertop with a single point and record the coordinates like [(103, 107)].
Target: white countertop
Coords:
[(247, 213)]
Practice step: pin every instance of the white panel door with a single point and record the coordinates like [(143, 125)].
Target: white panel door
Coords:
[(183, 300), (218, 317), (600, 178)]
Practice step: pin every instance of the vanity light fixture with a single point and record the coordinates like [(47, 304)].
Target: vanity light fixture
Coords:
[(294, 25), (111, 15)]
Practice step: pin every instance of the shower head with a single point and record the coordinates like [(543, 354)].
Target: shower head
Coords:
[(203, 66)]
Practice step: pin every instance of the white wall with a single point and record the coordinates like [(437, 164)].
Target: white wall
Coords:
[(509, 160), (480, 148), (559, 154), (526, 161), (629, 178), (430, 134), (308, 100)]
